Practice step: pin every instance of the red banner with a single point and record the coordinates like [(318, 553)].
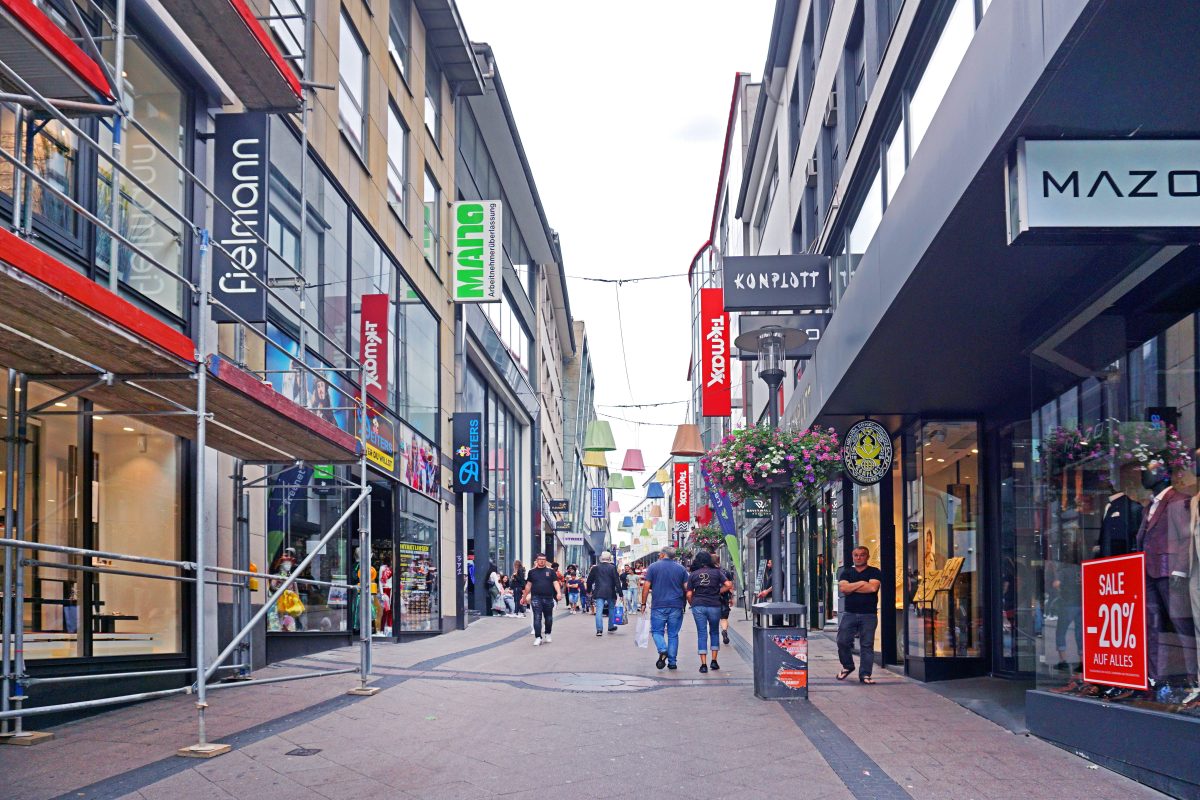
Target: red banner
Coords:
[(714, 354), (683, 494), (373, 344), (1114, 621)]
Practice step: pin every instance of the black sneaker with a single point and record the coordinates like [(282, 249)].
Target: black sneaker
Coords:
[(662, 660), (725, 637), (599, 633), (672, 666), (714, 665), (704, 668), (612, 628)]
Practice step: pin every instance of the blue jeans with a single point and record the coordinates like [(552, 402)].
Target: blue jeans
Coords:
[(630, 605), (708, 621), (573, 598), (600, 605), (672, 620)]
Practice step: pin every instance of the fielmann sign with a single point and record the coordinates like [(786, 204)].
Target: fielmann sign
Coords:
[(477, 251)]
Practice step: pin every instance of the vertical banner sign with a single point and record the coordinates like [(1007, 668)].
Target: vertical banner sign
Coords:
[(1114, 621), (372, 345), (722, 508), (714, 369), (468, 452), (683, 497), (477, 248), (240, 182), (596, 502)]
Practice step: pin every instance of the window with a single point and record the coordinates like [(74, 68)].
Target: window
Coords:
[(433, 96), (352, 77), (768, 197), (432, 227), (886, 14), (397, 178), (399, 33), (287, 23), (795, 117), (894, 161), (856, 73), (939, 70)]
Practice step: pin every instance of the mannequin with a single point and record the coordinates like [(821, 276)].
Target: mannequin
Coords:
[(1122, 516), (1165, 537)]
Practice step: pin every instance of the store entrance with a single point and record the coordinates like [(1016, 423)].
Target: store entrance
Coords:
[(383, 558)]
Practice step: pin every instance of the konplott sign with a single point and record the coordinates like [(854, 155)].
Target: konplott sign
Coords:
[(776, 283), (1104, 188), (477, 251)]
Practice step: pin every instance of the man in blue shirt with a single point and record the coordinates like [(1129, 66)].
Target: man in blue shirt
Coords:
[(666, 578)]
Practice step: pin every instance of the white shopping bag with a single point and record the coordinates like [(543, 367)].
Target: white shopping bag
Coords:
[(642, 638)]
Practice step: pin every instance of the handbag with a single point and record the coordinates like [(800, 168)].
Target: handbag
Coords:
[(642, 637), (619, 615)]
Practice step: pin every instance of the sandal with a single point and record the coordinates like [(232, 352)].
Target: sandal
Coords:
[(845, 673), (867, 679)]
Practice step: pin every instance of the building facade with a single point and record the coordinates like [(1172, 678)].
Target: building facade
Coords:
[(586, 486), (1026, 332)]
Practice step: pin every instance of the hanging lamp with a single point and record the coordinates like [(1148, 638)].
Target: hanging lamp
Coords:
[(599, 437), (633, 461), (662, 476), (687, 442), (595, 458), (616, 481), (655, 511), (626, 524), (614, 507), (655, 491), (627, 482), (639, 519)]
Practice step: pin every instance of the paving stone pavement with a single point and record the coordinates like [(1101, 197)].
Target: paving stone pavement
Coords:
[(481, 713)]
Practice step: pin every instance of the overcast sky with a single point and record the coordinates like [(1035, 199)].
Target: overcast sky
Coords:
[(622, 108)]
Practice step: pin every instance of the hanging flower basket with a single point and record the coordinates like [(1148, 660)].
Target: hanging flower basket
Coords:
[(707, 537), (750, 462)]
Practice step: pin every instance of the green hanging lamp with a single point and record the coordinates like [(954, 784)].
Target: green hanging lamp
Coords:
[(599, 437)]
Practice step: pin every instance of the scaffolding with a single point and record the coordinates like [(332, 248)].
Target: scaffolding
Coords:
[(147, 369)]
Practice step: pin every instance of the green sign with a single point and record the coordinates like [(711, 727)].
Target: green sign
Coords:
[(323, 472), (758, 509), (477, 247)]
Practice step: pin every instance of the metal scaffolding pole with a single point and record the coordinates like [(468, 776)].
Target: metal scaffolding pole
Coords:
[(9, 556), (364, 551), (202, 748)]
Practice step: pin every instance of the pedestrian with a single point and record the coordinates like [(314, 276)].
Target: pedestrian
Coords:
[(542, 591), (665, 578), (495, 590), (705, 585), (573, 585), (517, 582), (628, 587), (765, 592), (507, 597), (603, 582), (859, 584), (727, 598)]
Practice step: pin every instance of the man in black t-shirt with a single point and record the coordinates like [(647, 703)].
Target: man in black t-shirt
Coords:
[(859, 584), (542, 590)]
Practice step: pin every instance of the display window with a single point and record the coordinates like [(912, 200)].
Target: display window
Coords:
[(943, 565), (1108, 560), (125, 498)]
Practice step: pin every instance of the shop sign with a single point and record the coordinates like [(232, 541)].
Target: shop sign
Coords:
[(1105, 188), (468, 451), (381, 440), (562, 524), (776, 283), (323, 472), (559, 506), (716, 381), (867, 453), (240, 161), (683, 493), (571, 539), (811, 325), (477, 251), (373, 344), (718, 501), (1114, 621), (419, 462), (757, 508), (596, 502)]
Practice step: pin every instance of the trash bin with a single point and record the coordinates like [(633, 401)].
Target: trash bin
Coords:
[(780, 651)]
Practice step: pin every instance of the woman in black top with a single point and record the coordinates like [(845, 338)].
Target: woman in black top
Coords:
[(517, 582), (704, 587)]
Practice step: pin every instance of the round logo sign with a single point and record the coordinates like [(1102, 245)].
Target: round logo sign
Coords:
[(867, 453)]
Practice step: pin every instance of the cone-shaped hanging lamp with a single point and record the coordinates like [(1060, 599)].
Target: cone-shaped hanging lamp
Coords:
[(654, 491), (661, 526), (687, 442), (627, 482), (633, 461), (616, 481), (595, 458), (614, 507), (639, 519), (627, 523), (599, 437), (662, 476), (655, 511)]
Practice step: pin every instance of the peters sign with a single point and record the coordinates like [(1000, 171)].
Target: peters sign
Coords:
[(468, 451), (477, 251), (716, 382), (776, 283), (241, 158), (1098, 189)]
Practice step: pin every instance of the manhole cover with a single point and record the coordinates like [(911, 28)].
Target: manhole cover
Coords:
[(589, 682), (303, 751)]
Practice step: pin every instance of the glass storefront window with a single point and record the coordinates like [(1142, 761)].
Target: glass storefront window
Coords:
[(943, 559), (867, 521), (1125, 484), (417, 565)]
